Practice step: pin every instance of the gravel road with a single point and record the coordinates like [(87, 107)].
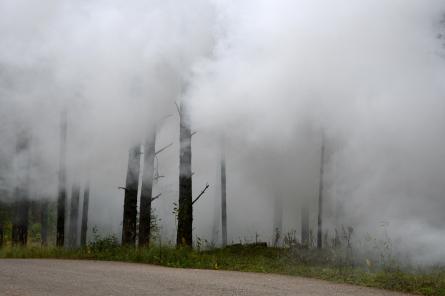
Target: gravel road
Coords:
[(23, 277)]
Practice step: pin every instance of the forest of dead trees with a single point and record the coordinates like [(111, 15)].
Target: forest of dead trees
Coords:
[(69, 219)]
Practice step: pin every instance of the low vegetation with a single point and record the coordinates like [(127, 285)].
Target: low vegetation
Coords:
[(320, 264)]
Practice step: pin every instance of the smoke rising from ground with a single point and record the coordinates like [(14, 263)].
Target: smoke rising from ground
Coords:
[(269, 76)]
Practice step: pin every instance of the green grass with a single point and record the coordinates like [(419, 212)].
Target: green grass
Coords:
[(314, 264)]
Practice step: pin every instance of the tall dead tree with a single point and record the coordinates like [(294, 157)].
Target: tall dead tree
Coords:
[(147, 189), (44, 207), (21, 192), (223, 198), (278, 220), (84, 227), (305, 225), (131, 197), (61, 198), (74, 216), (184, 235), (320, 197)]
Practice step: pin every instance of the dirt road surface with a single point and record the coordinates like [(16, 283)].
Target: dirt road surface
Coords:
[(36, 277)]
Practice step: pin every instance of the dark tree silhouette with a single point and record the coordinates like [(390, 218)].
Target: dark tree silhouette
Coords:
[(184, 235), (44, 207), (84, 227), (131, 197), (74, 216), (320, 196), (223, 198), (147, 189), (61, 198)]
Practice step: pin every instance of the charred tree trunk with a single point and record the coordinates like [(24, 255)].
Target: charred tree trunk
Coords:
[(184, 235), (84, 227), (320, 198), (61, 198), (304, 226), (131, 197), (44, 205), (146, 190), (74, 216), (223, 199)]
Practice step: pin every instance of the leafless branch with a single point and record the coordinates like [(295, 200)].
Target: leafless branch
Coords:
[(156, 197), (192, 134), (178, 108), (162, 149), (202, 192), (126, 189)]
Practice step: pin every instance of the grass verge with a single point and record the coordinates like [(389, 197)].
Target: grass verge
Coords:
[(251, 259)]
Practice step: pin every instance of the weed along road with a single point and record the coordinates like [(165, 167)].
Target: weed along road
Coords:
[(35, 277)]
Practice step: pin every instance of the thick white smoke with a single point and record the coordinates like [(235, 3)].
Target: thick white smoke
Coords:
[(269, 76)]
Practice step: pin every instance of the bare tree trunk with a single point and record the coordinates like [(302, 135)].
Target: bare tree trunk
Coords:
[(223, 199), (147, 189), (320, 198), (74, 216), (61, 198), (185, 210), (131, 197), (84, 227), (23, 166), (304, 225), (44, 204), (278, 220)]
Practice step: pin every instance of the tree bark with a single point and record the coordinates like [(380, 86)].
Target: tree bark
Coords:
[(74, 216), (61, 198), (147, 190), (184, 235), (320, 197), (84, 227), (44, 205), (223, 199), (131, 197)]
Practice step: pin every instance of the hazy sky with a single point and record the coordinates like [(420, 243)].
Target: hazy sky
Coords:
[(270, 76)]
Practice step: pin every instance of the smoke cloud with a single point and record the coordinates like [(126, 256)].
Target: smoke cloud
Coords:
[(270, 77)]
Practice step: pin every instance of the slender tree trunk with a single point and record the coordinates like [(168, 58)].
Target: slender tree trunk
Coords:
[(74, 216), (278, 220), (223, 199), (61, 198), (146, 190), (131, 197), (304, 225), (84, 227), (185, 211), (23, 162), (44, 205), (320, 198)]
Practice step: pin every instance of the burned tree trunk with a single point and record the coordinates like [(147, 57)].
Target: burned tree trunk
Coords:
[(304, 226), (131, 197), (44, 205), (74, 216), (84, 227), (184, 235), (1, 234), (223, 199), (320, 197), (61, 198), (147, 189)]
